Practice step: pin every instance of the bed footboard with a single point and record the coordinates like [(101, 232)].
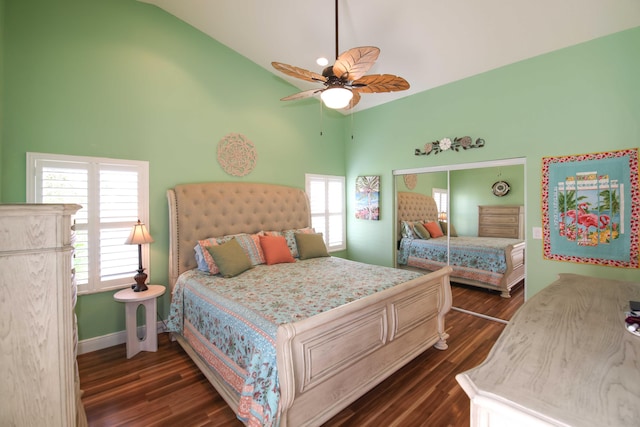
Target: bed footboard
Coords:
[(515, 269), (513, 275), (330, 360)]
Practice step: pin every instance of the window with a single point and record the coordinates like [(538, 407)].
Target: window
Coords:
[(440, 195), (113, 195), (326, 197)]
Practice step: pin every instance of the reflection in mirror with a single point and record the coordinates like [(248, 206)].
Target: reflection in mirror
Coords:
[(481, 229)]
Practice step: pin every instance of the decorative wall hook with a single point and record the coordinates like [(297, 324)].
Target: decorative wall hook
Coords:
[(445, 144)]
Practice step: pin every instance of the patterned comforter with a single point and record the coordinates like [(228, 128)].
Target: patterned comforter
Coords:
[(232, 323), (478, 258)]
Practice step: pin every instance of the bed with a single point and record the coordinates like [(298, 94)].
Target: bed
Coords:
[(491, 263), (315, 364)]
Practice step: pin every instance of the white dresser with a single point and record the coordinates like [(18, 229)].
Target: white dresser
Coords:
[(564, 359), (39, 381)]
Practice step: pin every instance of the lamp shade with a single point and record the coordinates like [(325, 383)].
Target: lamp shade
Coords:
[(139, 235), (336, 97)]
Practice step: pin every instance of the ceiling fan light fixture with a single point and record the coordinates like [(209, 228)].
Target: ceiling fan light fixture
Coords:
[(336, 97)]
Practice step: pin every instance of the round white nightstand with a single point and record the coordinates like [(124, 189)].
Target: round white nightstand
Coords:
[(132, 301)]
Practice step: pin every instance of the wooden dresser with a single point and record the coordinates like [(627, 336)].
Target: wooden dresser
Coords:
[(501, 221), (564, 359), (40, 385)]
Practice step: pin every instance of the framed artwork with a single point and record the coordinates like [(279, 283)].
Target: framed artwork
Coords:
[(367, 197), (591, 208)]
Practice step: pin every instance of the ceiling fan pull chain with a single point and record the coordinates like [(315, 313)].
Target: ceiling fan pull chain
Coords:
[(321, 117), (351, 114)]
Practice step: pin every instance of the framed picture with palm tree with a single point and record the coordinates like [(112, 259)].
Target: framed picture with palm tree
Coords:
[(367, 197), (591, 208)]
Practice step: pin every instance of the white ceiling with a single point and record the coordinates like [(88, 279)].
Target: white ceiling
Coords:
[(428, 42)]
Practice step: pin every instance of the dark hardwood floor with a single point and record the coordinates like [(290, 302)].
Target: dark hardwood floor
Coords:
[(165, 388)]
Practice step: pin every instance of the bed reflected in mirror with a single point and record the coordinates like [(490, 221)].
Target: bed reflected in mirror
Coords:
[(481, 225)]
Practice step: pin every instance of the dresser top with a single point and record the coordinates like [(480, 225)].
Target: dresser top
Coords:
[(22, 209), (566, 356)]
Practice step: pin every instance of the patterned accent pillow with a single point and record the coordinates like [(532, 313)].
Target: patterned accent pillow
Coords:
[(209, 264), (407, 230)]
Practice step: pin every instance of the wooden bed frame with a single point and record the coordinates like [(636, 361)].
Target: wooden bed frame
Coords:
[(420, 207), (327, 361)]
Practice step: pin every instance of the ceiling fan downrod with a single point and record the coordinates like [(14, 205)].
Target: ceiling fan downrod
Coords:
[(336, 10)]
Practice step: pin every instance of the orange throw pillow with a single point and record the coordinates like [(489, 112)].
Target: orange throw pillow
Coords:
[(434, 229), (275, 250)]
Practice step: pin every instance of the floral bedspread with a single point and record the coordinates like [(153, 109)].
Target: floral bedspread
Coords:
[(232, 323), (477, 258)]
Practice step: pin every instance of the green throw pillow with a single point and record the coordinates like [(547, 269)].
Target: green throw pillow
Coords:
[(311, 245), (421, 231), (443, 225), (230, 258)]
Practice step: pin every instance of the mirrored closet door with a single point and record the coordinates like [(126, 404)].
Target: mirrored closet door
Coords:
[(480, 210)]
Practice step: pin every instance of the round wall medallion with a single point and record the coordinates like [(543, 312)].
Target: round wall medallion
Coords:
[(236, 154), (500, 188), (410, 181)]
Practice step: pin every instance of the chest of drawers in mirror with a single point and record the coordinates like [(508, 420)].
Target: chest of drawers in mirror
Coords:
[(501, 221)]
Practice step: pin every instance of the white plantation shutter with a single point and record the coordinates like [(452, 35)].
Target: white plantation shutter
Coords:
[(327, 200), (440, 196), (113, 195)]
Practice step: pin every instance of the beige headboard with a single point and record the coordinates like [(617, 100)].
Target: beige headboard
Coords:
[(415, 207), (203, 210)]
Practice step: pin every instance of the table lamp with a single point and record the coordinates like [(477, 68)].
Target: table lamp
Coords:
[(139, 236)]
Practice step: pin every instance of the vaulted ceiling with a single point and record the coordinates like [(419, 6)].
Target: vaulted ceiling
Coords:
[(428, 42)]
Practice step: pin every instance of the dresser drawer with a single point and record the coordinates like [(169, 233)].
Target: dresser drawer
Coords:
[(499, 210), (505, 220), (491, 231)]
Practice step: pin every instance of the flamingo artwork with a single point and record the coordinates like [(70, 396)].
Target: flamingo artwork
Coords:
[(585, 218), (586, 221)]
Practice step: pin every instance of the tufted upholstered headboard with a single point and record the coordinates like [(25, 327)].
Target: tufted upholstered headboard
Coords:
[(415, 207), (203, 210)]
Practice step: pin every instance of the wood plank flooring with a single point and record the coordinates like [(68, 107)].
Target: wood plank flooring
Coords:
[(166, 389)]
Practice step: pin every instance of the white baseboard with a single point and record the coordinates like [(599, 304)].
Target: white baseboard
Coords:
[(109, 340)]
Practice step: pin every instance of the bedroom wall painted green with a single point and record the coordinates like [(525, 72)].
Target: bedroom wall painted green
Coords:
[(581, 99), (472, 188), (124, 79)]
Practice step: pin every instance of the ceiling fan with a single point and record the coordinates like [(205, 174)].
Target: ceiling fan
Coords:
[(345, 80)]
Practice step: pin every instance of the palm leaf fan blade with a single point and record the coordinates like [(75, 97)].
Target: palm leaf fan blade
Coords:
[(375, 83), (354, 101), (354, 63), (302, 95), (298, 72)]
